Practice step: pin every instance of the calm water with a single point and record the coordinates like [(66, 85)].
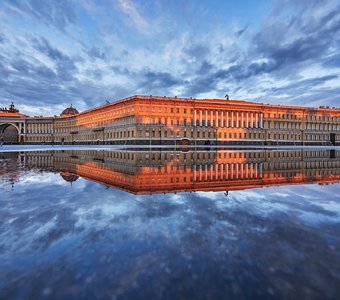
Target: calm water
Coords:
[(170, 224)]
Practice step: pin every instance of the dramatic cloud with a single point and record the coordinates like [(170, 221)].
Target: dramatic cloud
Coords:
[(53, 53)]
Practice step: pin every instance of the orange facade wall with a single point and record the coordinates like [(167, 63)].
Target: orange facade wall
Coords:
[(172, 120)]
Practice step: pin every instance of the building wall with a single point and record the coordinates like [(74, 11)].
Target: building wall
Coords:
[(164, 120)]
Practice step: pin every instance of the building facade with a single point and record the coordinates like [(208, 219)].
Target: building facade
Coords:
[(150, 120)]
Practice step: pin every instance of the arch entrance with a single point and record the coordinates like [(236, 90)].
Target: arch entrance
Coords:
[(9, 133)]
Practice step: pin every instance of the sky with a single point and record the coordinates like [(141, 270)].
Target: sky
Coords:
[(61, 52)]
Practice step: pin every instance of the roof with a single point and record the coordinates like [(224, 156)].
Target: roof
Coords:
[(69, 111)]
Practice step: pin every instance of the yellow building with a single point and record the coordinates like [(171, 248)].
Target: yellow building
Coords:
[(172, 120)]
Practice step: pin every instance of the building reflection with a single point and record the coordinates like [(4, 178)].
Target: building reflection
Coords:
[(169, 171)]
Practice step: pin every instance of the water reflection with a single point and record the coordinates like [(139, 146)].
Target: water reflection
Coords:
[(168, 171), (64, 236)]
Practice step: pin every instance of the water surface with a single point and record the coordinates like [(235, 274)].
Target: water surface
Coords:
[(170, 225)]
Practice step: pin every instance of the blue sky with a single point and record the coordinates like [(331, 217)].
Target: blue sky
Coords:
[(54, 53)]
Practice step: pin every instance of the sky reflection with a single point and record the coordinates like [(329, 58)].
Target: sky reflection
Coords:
[(88, 241)]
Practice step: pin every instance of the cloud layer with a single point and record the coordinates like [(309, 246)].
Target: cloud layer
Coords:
[(54, 53)]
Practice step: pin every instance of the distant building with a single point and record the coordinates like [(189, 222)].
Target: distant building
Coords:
[(171, 120)]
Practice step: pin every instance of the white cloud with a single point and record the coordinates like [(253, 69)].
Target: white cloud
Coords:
[(135, 17)]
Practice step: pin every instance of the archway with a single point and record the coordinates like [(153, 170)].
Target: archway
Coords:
[(9, 133)]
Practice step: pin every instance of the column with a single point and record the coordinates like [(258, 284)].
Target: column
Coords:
[(232, 119), (206, 118), (257, 120), (222, 120), (261, 120), (237, 120), (227, 119), (216, 118), (247, 119), (252, 120), (201, 118), (211, 118), (195, 117), (242, 119)]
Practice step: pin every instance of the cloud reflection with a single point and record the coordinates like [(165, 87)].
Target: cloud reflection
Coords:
[(87, 241)]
